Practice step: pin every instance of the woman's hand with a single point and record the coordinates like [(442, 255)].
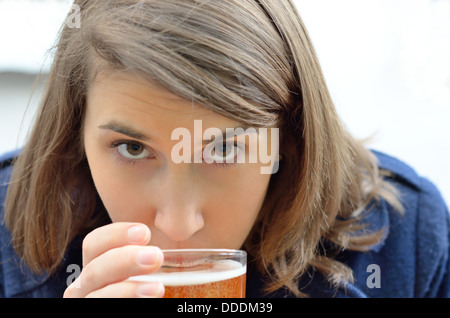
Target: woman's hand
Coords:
[(113, 253)]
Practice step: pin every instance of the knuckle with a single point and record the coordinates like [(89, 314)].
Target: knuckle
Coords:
[(70, 292), (67, 293), (87, 245), (89, 275)]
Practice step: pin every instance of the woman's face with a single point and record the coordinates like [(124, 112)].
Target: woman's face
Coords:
[(135, 166)]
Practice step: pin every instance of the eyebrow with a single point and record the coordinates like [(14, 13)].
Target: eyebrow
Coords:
[(131, 132), (124, 130)]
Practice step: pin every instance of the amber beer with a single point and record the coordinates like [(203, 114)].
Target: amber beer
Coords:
[(201, 273)]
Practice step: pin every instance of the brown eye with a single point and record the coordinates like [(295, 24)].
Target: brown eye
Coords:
[(133, 151), (224, 153)]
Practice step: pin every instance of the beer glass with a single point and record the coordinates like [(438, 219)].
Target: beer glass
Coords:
[(201, 273)]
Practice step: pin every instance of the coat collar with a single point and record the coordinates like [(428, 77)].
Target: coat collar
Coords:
[(375, 219)]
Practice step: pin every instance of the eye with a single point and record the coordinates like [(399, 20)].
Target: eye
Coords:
[(224, 153), (133, 150)]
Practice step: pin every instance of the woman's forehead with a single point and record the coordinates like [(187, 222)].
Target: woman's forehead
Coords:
[(123, 95)]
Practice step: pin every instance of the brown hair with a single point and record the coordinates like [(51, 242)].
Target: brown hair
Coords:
[(249, 60)]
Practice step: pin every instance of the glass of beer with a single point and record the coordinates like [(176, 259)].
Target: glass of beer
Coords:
[(201, 273)]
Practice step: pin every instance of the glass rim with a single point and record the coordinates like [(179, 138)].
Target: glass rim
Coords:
[(205, 251)]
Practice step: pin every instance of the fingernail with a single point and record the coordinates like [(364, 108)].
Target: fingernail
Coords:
[(151, 289), (148, 256), (138, 233)]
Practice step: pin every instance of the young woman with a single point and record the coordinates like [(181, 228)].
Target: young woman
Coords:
[(99, 183)]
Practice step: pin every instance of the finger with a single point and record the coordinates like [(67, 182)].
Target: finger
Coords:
[(130, 289), (114, 266), (112, 236)]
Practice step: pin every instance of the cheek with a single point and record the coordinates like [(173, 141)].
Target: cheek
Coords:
[(118, 190), (122, 200), (236, 210)]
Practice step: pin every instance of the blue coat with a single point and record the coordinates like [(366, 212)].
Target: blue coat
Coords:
[(411, 261)]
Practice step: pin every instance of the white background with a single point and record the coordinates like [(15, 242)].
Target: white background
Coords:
[(386, 62)]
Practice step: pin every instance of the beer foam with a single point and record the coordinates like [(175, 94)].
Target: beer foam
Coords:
[(221, 270)]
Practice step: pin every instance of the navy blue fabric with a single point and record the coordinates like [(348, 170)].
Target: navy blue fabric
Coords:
[(412, 259)]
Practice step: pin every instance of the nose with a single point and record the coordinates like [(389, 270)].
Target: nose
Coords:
[(178, 210), (179, 223)]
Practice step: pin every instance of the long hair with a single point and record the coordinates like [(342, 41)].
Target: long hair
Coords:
[(249, 60)]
